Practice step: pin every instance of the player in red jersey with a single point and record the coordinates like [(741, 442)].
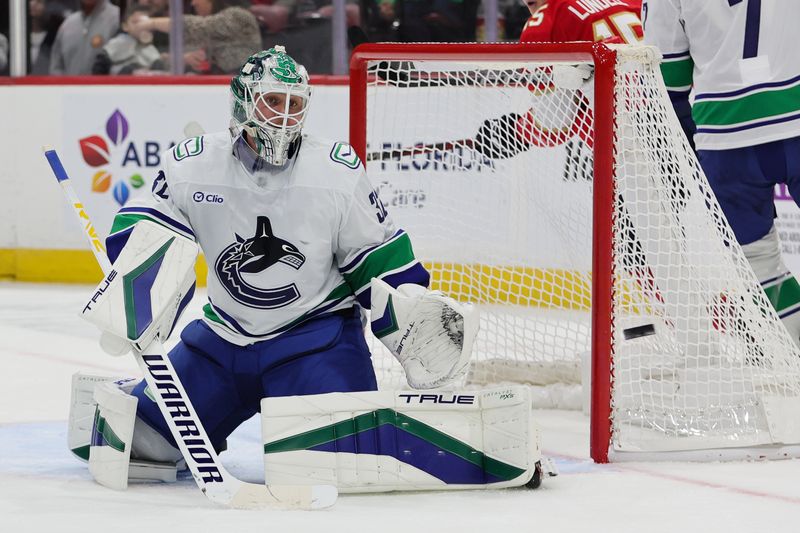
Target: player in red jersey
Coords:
[(575, 20), (583, 20), (539, 26)]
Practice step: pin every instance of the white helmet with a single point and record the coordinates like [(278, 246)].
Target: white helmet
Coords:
[(273, 123)]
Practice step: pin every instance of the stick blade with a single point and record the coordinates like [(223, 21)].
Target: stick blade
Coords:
[(252, 496)]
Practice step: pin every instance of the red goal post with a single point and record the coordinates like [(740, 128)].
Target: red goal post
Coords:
[(603, 58), (635, 144)]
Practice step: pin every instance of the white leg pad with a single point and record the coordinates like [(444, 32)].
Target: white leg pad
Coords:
[(401, 440), (81, 412), (112, 435)]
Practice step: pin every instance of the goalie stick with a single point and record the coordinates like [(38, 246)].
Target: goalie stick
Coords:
[(207, 470)]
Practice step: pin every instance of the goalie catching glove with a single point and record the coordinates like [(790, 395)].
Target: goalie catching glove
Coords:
[(148, 286), (430, 334)]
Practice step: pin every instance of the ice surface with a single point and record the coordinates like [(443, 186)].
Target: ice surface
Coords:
[(42, 488)]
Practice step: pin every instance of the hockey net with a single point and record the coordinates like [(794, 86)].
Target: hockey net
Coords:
[(552, 186)]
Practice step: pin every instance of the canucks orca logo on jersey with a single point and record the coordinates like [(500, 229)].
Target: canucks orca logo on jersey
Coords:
[(253, 255)]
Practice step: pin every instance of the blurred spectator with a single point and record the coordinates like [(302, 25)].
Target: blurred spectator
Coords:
[(131, 51), (380, 20), (300, 27), (272, 15), (4, 22), (38, 32), (3, 54), (303, 26), (324, 9), (67, 7), (81, 37), (515, 14), (158, 8), (45, 19), (300, 11), (437, 20), (218, 38)]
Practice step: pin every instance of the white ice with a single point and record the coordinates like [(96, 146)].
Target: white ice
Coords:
[(42, 488)]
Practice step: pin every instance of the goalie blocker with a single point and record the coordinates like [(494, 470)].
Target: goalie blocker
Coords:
[(150, 284), (408, 440)]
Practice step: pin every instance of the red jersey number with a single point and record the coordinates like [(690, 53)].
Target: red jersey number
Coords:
[(579, 20)]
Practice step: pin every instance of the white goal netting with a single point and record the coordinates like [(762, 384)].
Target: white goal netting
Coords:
[(488, 165)]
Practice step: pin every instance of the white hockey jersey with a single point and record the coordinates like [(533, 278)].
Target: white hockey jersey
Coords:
[(282, 246), (740, 57)]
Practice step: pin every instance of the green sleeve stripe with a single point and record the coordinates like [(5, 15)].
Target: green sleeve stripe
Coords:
[(393, 256), (355, 264), (209, 313), (124, 221), (765, 104), (678, 74), (334, 298), (339, 293)]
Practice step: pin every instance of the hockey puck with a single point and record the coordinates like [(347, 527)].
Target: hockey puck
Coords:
[(639, 331)]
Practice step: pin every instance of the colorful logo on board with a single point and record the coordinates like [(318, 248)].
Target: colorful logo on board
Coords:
[(119, 159), (98, 151)]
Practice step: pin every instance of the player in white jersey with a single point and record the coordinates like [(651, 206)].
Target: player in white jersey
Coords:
[(739, 58), (297, 242)]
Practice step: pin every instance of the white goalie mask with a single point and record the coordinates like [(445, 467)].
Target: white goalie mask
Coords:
[(269, 101)]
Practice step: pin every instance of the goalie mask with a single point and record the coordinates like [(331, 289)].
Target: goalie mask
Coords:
[(269, 101)]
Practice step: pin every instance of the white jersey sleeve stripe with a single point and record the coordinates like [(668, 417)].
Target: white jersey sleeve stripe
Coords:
[(761, 87), (360, 257)]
